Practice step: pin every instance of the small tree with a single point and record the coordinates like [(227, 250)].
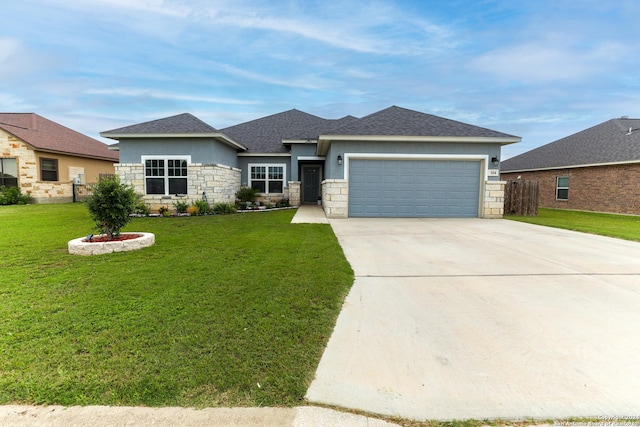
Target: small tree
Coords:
[(110, 206)]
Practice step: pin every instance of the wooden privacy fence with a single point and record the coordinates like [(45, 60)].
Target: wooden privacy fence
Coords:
[(521, 197)]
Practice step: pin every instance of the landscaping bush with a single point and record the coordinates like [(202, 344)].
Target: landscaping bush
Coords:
[(202, 206), (224, 209), (247, 194), (181, 207), (13, 196), (110, 206)]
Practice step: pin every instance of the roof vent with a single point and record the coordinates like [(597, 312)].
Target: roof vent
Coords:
[(624, 117)]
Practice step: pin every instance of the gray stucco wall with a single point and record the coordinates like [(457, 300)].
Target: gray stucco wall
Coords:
[(297, 150), (335, 171), (202, 150)]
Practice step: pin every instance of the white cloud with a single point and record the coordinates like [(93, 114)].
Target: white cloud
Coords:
[(8, 48), (151, 93), (547, 62)]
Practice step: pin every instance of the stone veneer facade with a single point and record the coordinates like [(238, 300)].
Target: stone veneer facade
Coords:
[(27, 163), (493, 203), (294, 193), (335, 199), (218, 182)]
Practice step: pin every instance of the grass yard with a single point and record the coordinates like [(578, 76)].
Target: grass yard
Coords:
[(221, 311), (620, 226)]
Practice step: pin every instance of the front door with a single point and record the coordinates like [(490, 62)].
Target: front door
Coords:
[(310, 183)]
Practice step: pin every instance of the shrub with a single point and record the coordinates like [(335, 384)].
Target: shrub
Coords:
[(224, 209), (192, 210), (110, 206), (203, 207), (283, 203), (13, 196), (181, 207), (247, 194), (140, 208)]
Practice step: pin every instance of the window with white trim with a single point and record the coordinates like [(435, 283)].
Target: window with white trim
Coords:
[(267, 178), (562, 188), (166, 175)]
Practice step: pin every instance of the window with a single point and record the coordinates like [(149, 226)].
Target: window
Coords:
[(166, 175), (8, 173), (267, 178), (562, 188), (48, 169)]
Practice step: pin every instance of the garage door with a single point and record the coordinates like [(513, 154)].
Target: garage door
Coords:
[(414, 188)]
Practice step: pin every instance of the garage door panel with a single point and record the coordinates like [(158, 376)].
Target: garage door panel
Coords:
[(414, 188)]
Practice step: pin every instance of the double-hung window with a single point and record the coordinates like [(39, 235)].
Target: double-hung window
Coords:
[(48, 169), (166, 175), (562, 188), (267, 178), (8, 173)]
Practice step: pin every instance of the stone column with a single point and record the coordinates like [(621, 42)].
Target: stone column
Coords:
[(335, 198), (294, 193), (493, 206)]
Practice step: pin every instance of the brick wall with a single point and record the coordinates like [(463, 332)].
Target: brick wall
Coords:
[(614, 189)]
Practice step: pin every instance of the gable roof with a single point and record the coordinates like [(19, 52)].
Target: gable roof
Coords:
[(326, 127), (45, 135), (611, 142), (181, 125), (405, 124), (265, 135), (400, 121)]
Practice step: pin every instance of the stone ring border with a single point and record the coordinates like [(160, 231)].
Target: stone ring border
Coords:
[(78, 247)]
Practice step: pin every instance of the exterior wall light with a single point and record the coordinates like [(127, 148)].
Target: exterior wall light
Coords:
[(495, 160), (339, 159)]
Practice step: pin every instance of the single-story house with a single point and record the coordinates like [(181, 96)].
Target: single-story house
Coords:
[(597, 169), (393, 163), (44, 158)]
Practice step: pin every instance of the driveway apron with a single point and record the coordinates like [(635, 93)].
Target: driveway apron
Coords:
[(471, 318)]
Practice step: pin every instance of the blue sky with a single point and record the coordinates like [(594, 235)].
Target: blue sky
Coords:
[(539, 69)]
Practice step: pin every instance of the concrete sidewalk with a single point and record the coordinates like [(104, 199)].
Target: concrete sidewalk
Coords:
[(310, 214), (110, 416)]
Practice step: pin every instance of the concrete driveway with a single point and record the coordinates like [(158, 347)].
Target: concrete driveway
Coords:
[(472, 318)]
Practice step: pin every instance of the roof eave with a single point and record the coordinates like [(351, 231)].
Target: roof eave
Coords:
[(216, 135), (84, 156), (586, 165), (325, 140)]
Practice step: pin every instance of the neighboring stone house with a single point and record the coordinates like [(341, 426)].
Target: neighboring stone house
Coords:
[(393, 163), (597, 169), (44, 158)]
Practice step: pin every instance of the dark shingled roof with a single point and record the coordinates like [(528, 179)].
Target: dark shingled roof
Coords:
[(326, 127), (44, 134), (608, 142), (265, 135), (403, 122), (180, 124)]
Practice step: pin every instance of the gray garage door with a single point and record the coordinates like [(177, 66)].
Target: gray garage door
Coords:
[(414, 188)]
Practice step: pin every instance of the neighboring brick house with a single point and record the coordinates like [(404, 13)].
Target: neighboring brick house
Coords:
[(597, 169), (44, 158)]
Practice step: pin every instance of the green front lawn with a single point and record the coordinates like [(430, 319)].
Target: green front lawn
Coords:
[(222, 310), (620, 226)]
